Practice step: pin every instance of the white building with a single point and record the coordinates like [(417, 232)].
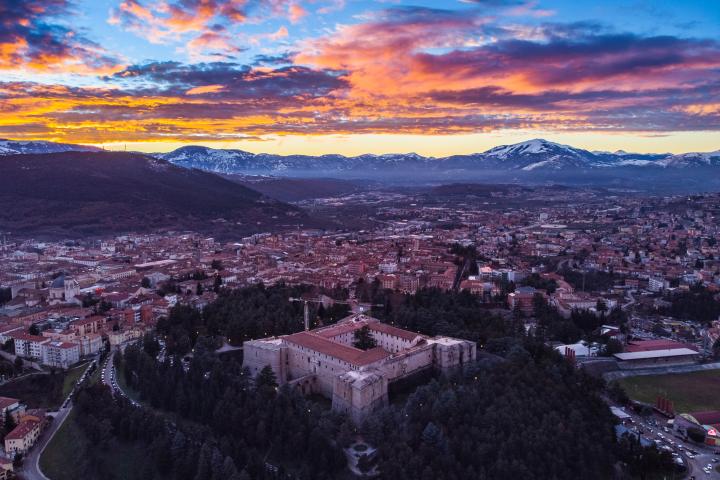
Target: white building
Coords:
[(28, 346), (325, 361), (60, 354)]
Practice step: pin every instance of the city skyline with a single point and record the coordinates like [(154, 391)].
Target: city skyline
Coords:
[(285, 76)]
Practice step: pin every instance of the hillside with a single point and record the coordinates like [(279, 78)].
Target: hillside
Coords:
[(88, 193), (288, 189)]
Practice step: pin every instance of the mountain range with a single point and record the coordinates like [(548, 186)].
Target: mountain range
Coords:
[(529, 156), (532, 162)]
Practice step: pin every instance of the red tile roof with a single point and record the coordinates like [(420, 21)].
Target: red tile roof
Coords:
[(352, 355), (22, 430), (5, 402), (650, 345)]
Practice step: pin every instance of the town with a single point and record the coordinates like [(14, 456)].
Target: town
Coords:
[(616, 272)]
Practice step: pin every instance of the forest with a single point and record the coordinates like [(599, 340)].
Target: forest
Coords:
[(697, 304), (493, 420)]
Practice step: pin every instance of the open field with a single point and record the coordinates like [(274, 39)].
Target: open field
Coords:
[(65, 444), (691, 392), (118, 462)]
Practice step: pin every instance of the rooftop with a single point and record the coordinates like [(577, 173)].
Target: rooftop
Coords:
[(674, 352), (352, 355)]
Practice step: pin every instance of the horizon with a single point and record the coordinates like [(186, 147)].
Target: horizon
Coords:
[(150, 150), (299, 77)]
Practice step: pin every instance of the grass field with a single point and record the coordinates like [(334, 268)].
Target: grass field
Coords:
[(691, 392), (66, 444), (122, 461)]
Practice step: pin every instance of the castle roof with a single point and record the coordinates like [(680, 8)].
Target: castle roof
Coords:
[(351, 355)]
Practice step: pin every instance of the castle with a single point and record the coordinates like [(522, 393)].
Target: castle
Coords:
[(324, 361)]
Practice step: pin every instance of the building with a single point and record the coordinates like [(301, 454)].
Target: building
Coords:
[(22, 437), (324, 361), (63, 290), (6, 468), (28, 346), (60, 354), (90, 344), (11, 406), (523, 299), (656, 358), (705, 422)]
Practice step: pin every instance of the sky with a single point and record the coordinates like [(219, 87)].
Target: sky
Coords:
[(353, 76)]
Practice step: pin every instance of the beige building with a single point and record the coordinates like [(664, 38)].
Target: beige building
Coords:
[(325, 361), (22, 437)]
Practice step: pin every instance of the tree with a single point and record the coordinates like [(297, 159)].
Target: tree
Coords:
[(266, 379), (601, 306), (151, 345), (18, 364), (145, 282), (363, 339), (216, 265), (199, 289), (613, 346), (34, 330), (9, 422)]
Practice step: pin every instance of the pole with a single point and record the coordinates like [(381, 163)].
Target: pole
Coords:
[(306, 313)]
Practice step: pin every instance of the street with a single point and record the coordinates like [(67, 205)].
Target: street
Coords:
[(695, 457)]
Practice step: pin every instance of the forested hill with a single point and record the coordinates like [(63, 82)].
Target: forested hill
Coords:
[(81, 193)]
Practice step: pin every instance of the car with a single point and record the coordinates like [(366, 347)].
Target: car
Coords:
[(715, 460)]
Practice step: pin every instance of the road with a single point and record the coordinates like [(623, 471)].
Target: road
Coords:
[(109, 378), (630, 303), (31, 465), (653, 429)]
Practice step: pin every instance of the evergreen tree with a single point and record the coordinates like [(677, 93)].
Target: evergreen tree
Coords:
[(363, 339)]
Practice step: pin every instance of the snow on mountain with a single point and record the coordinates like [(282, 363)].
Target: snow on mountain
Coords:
[(12, 147), (539, 153), (535, 155), (693, 159)]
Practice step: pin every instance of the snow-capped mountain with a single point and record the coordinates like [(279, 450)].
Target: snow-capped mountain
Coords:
[(694, 159), (536, 155), (12, 147), (536, 158), (539, 153), (241, 162)]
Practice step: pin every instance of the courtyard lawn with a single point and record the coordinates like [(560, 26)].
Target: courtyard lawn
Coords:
[(690, 392)]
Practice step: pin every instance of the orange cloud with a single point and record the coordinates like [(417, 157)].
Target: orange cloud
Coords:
[(205, 89)]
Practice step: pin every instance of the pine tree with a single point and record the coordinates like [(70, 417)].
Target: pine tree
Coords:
[(266, 379), (363, 339)]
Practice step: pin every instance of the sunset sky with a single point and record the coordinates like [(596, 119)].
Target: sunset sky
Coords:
[(351, 76)]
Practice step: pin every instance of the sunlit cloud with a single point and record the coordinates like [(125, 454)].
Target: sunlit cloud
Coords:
[(32, 40), (243, 69)]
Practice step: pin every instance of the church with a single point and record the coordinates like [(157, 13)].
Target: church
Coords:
[(324, 361)]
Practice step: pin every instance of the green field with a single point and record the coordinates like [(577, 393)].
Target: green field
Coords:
[(691, 392), (121, 462), (66, 444)]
